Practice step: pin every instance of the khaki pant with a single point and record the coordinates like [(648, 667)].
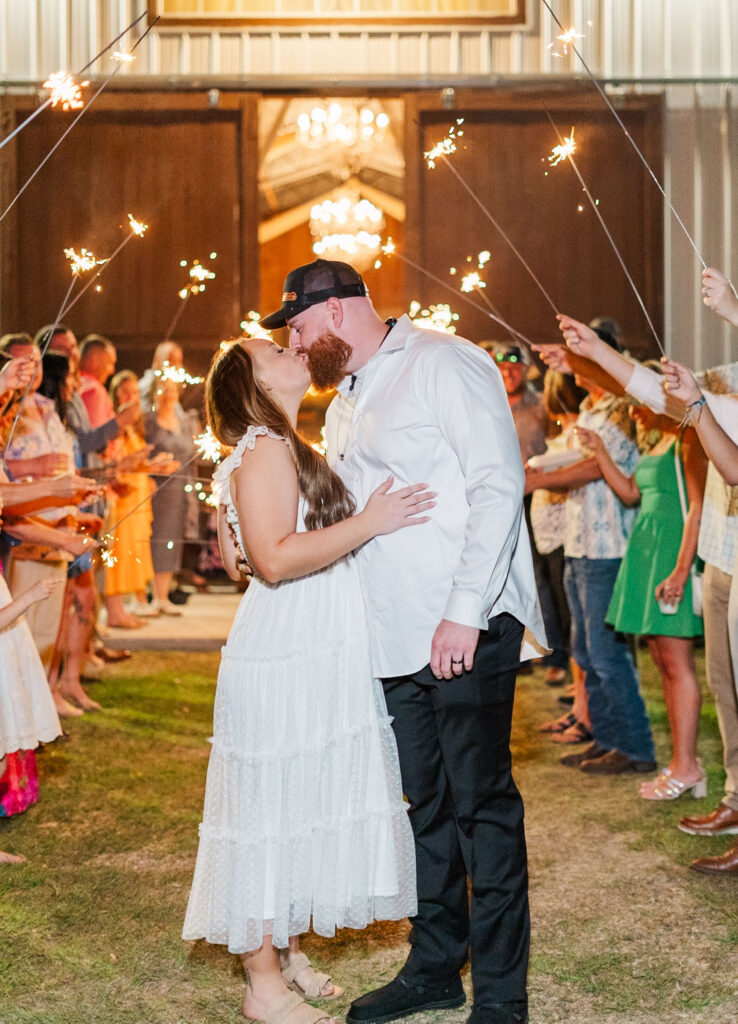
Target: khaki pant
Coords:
[(720, 609), (43, 618)]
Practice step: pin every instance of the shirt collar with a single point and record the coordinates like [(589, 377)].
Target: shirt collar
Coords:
[(394, 341)]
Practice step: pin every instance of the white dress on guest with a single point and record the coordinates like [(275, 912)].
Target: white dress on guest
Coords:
[(304, 821), (27, 713)]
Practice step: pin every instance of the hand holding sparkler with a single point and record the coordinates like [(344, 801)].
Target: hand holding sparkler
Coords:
[(555, 357), (17, 373), (719, 295), (580, 338), (679, 382)]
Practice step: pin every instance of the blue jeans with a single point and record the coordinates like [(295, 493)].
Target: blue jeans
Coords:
[(616, 708)]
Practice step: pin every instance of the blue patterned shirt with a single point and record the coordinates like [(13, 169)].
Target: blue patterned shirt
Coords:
[(598, 524)]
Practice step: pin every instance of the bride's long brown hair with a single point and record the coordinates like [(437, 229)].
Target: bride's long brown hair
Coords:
[(235, 400)]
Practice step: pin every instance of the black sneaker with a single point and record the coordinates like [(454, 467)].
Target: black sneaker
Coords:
[(401, 997), (592, 753)]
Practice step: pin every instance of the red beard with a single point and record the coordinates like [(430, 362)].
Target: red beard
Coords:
[(327, 361)]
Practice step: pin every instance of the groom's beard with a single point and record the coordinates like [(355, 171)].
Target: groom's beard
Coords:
[(327, 360)]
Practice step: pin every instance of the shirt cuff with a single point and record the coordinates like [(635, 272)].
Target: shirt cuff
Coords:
[(466, 610)]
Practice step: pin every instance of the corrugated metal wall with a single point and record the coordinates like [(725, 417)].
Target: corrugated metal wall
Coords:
[(637, 41)]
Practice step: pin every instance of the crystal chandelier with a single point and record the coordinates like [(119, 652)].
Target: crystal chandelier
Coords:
[(350, 126), (348, 228)]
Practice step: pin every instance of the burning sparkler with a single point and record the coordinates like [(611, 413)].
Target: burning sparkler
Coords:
[(567, 40), (122, 57), (433, 318), (138, 229), (208, 446), (252, 328), (176, 373), (65, 91), (82, 261), (564, 150), (198, 274), (446, 145), (472, 281), (107, 555)]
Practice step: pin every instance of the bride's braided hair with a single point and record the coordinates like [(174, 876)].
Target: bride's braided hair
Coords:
[(235, 400)]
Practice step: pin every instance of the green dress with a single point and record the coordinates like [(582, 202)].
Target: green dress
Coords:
[(651, 555)]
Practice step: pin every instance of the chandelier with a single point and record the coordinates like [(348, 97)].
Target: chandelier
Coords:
[(347, 227), (351, 126)]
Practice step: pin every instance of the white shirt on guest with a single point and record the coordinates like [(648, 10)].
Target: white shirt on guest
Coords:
[(431, 408)]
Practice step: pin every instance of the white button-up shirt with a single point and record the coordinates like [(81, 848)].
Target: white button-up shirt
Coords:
[(431, 408)]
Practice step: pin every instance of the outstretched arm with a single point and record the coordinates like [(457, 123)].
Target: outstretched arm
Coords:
[(719, 295)]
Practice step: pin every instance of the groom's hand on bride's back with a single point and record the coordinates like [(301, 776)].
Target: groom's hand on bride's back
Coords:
[(453, 649)]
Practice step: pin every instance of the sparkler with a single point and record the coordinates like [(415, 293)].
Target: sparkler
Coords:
[(435, 318), (440, 151), (252, 328), (48, 103), (630, 139), (567, 40), (564, 150), (390, 249), (445, 146), (208, 446), (138, 229), (176, 373), (81, 261), (64, 91), (198, 274), (594, 203), (122, 57), (82, 112)]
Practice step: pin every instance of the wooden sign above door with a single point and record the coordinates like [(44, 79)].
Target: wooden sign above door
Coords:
[(337, 12)]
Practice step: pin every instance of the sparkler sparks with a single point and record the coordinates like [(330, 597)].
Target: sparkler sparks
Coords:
[(564, 150), (252, 328), (433, 318), (122, 57), (82, 261), (209, 446), (446, 145), (176, 373), (471, 281), (199, 275), (137, 226), (108, 557), (566, 39), (65, 91)]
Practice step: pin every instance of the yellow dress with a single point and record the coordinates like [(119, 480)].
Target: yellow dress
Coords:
[(132, 568)]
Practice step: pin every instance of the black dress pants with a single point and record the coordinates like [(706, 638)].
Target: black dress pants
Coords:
[(453, 738)]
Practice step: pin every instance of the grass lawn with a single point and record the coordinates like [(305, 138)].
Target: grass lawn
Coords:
[(90, 926)]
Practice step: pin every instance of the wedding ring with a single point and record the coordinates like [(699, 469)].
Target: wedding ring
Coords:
[(457, 661)]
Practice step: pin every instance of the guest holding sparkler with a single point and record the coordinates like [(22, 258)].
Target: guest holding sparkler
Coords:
[(166, 353), (597, 528), (130, 569), (168, 430)]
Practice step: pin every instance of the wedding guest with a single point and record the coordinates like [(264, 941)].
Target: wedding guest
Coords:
[(168, 430), (597, 528), (166, 353), (561, 400), (97, 365), (653, 591), (532, 427)]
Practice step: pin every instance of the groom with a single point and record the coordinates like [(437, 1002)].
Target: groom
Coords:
[(448, 607)]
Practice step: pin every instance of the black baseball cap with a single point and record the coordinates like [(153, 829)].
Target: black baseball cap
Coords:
[(314, 283)]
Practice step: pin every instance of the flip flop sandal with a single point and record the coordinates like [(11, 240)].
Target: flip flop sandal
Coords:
[(576, 733), (561, 725)]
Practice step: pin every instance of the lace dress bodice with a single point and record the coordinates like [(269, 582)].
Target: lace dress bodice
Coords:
[(222, 481)]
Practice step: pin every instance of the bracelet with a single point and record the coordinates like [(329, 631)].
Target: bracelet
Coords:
[(694, 409)]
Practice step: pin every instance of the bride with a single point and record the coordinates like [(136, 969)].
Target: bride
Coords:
[(304, 820)]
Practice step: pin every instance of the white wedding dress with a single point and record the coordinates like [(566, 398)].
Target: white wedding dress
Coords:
[(304, 821)]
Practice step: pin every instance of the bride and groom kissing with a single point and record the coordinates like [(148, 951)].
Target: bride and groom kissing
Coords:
[(373, 655)]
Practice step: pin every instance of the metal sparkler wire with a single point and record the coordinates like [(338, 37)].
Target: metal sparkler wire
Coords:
[(497, 226), (611, 240), (82, 112), (19, 128), (177, 315), (392, 251), (630, 139)]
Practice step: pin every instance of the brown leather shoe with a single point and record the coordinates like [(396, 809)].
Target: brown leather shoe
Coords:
[(589, 754), (616, 763), (725, 864), (723, 821)]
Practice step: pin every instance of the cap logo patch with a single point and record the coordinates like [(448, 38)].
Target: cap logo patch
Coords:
[(289, 296)]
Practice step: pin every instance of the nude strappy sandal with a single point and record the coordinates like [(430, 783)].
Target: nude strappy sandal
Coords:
[(282, 1009), (317, 983)]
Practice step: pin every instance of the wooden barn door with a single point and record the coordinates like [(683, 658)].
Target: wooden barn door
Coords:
[(182, 164), (503, 156)]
